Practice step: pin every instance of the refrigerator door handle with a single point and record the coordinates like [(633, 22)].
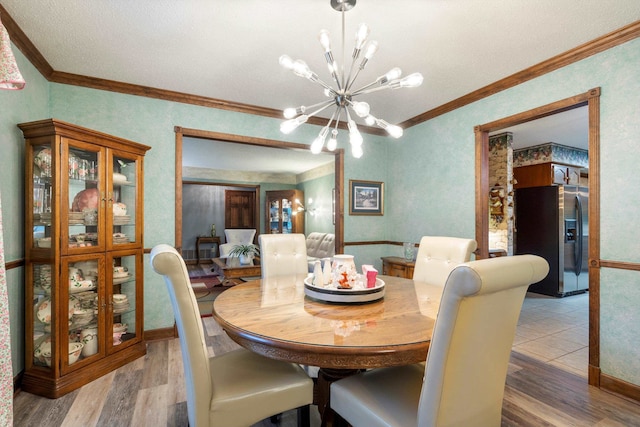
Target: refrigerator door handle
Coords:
[(577, 254)]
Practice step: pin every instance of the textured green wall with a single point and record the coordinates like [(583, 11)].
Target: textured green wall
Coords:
[(428, 174), (31, 103)]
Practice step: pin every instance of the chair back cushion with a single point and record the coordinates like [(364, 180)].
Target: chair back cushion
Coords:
[(282, 254), (439, 255), (321, 245), (472, 339), (239, 235), (313, 242), (165, 260)]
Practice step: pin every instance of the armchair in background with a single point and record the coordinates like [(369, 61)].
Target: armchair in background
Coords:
[(319, 247), (236, 236)]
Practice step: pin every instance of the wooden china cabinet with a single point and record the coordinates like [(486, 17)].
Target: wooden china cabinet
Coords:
[(83, 255), (283, 215)]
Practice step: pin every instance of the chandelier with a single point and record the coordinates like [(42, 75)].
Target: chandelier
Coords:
[(342, 95)]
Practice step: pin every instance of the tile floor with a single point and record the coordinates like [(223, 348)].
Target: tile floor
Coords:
[(556, 331)]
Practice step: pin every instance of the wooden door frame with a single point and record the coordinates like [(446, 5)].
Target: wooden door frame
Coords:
[(261, 142), (591, 99)]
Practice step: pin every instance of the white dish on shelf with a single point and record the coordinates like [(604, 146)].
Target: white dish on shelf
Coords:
[(42, 349), (119, 178), (75, 348), (76, 286), (119, 327), (122, 279), (43, 312), (344, 296)]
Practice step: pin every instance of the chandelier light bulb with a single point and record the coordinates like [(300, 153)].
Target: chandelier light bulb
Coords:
[(318, 143), (372, 48), (392, 74), (361, 36), (325, 40), (290, 113), (355, 138), (300, 68), (289, 126), (393, 130), (370, 120), (356, 151), (412, 80), (286, 62), (361, 108), (333, 141)]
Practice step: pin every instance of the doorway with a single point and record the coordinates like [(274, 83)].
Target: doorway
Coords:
[(591, 99), (245, 141)]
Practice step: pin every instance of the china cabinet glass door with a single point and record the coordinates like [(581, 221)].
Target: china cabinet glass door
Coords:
[(83, 204), (41, 202), (83, 276), (42, 280), (122, 298), (274, 217), (286, 216), (123, 192)]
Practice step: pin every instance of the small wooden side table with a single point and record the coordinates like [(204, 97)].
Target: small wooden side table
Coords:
[(206, 239), (397, 266)]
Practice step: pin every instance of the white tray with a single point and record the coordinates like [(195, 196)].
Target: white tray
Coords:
[(344, 296)]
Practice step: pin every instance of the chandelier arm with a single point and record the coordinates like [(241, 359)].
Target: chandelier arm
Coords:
[(343, 49), (323, 103), (363, 88), (316, 79), (332, 65), (371, 90), (319, 110), (339, 111), (328, 125), (350, 81)]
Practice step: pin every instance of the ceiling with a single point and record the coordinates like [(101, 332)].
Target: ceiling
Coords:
[(229, 49)]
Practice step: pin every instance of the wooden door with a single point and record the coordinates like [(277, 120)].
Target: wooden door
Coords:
[(240, 209)]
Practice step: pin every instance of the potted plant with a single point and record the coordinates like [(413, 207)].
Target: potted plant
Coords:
[(245, 252)]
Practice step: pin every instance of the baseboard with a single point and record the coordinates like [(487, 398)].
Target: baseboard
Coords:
[(620, 387), (161, 334)]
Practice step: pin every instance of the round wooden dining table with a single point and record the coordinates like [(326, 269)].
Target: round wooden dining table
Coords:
[(273, 317)]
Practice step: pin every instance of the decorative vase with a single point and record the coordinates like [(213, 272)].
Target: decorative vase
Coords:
[(344, 271), (213, 230), (408, 251)]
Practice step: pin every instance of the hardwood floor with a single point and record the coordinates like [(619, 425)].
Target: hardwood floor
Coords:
[(150, 392)]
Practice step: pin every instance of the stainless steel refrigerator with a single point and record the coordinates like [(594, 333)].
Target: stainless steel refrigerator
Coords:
[(553, 222)]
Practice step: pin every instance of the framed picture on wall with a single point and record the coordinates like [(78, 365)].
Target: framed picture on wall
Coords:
[(366, 197)]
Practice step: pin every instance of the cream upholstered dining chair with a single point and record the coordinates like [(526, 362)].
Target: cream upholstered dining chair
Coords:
[(439, 255), (285, 255), (464, 378), (282, 255), (236, 236), (237, 388)]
